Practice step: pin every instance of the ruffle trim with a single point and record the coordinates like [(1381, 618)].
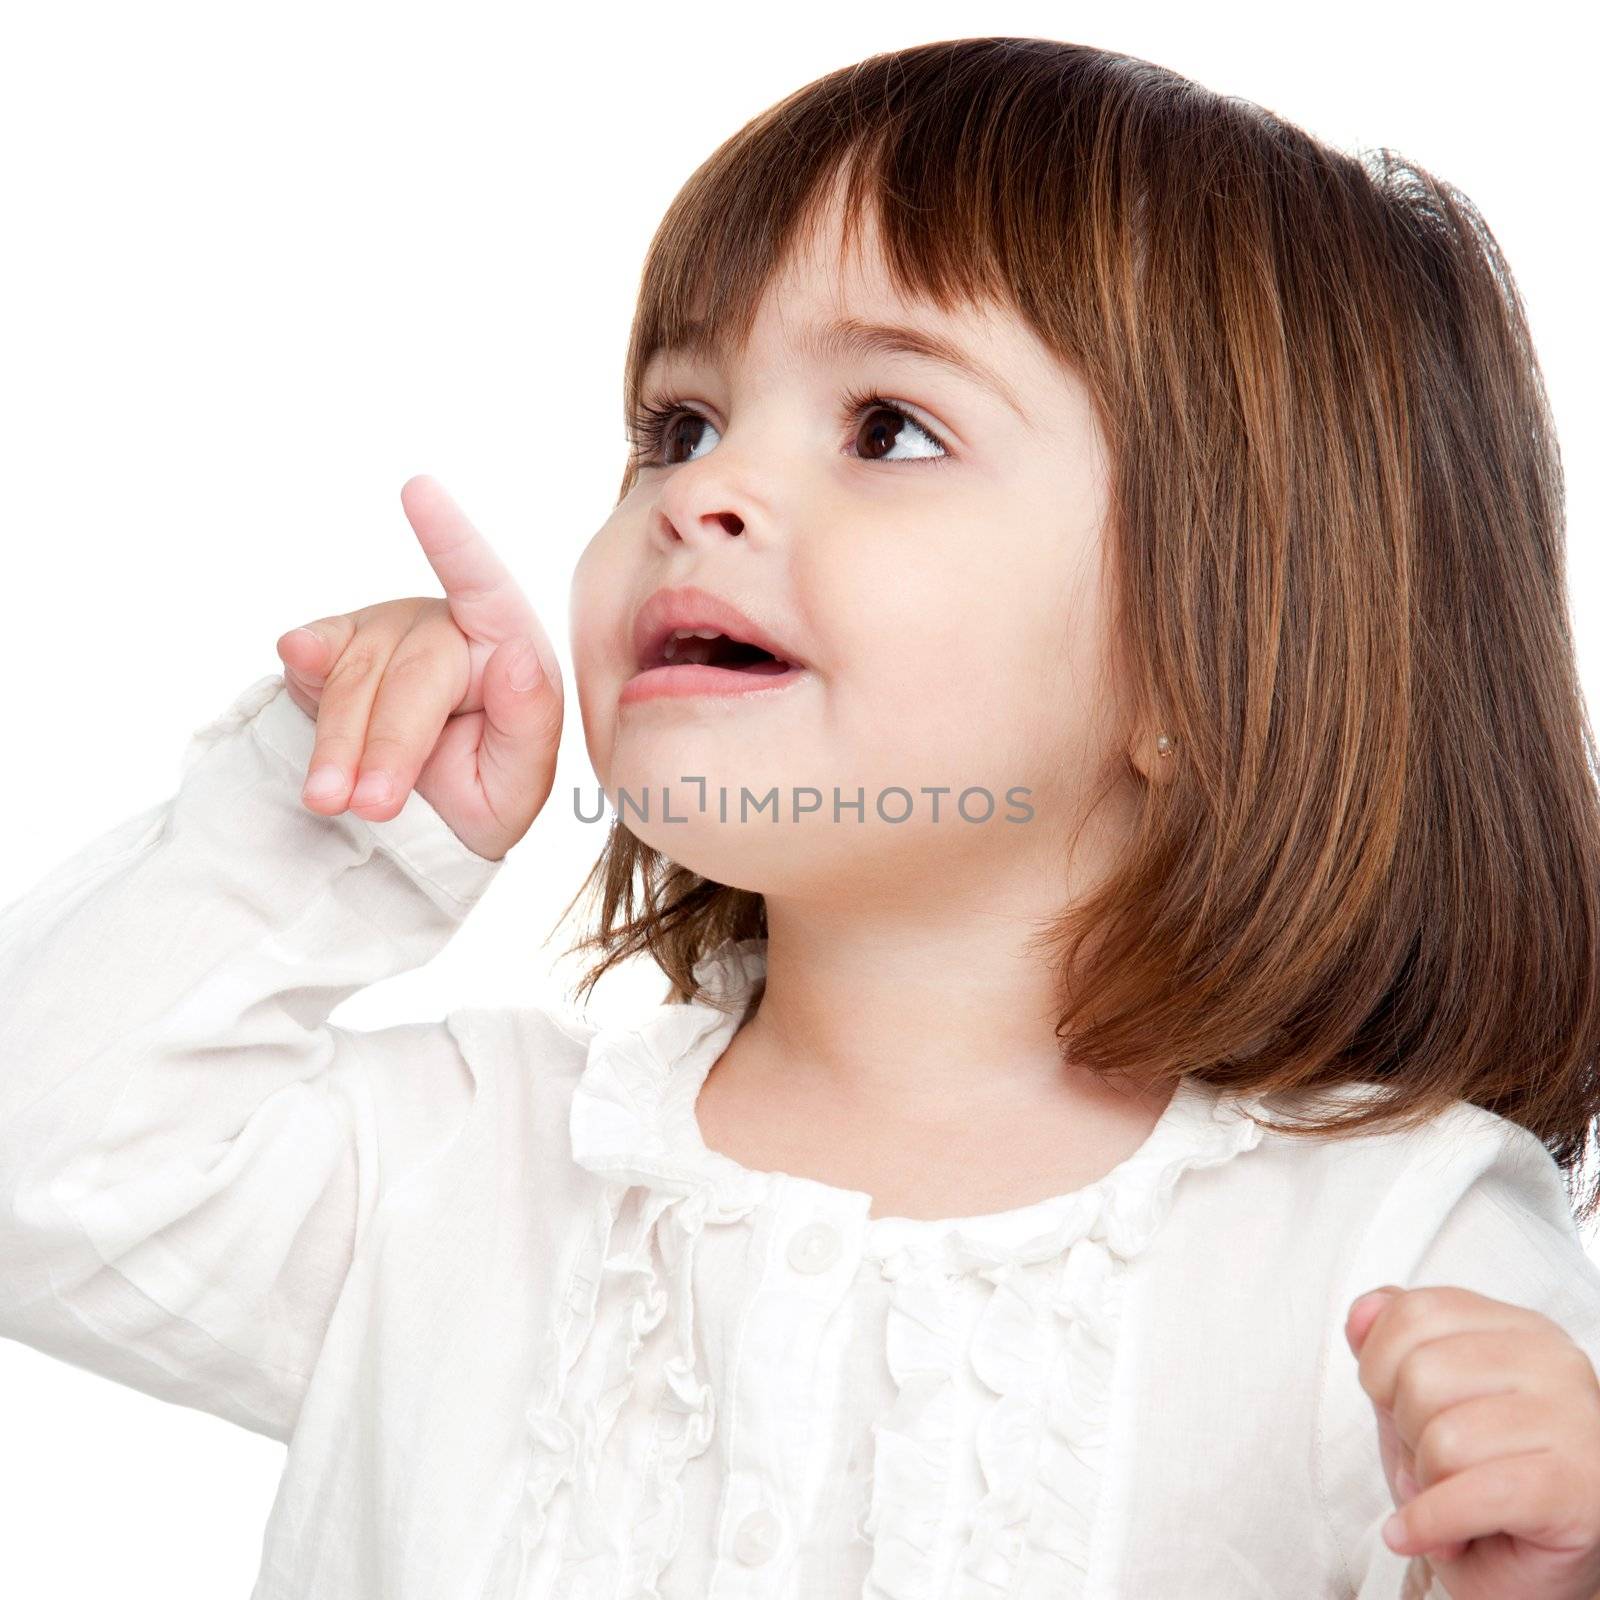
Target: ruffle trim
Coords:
[(645, 1242), (641, 1249), (1044, 1344)]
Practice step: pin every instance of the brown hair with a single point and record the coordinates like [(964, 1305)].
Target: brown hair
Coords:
[(1337, 541)]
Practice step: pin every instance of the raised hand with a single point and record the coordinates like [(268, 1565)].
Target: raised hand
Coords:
[(459, 698)]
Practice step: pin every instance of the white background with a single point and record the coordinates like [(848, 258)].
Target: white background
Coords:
[(267, 262)]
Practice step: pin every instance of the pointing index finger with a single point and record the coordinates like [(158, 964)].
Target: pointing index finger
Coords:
[(484, 598)]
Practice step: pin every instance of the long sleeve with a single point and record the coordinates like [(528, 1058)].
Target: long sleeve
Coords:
[(1480, 1205), (189, 1150)]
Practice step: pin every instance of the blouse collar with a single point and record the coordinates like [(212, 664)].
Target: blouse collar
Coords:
[(633, 1122)]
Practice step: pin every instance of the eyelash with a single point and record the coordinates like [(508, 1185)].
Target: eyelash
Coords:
[(650, 423)]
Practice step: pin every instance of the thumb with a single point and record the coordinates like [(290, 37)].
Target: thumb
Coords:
[(522, 715), (1364, 1312)]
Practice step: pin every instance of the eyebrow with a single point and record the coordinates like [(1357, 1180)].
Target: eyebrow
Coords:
[(853, 336)]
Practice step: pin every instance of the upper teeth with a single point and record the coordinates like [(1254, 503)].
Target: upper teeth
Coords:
[(673, 646)]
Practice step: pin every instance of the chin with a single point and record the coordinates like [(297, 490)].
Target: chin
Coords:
[(704, 764), (814, 861), (737, 858)]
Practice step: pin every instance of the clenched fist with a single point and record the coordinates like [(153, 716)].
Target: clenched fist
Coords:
[(459, 698), (1488, 1423)]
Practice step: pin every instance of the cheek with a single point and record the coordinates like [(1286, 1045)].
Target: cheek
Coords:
[(913, 699), (597, 618), (975, 667), (604, 584)]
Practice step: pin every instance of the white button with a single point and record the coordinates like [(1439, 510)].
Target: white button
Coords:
[(757, 1538), (814, 1247)]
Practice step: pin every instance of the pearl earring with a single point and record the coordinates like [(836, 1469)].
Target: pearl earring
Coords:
[(1163, 745)]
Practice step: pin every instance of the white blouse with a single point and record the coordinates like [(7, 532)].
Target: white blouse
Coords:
[(524, 1335)]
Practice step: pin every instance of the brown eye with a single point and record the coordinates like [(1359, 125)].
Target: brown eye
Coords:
[(683, 429), (880, 427), (883, 426)]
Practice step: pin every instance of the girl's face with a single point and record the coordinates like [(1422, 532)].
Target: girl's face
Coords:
[(938, 574)]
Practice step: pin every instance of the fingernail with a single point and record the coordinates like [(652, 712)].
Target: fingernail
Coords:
[(305, 633), (324, 783), (1394, 1531), (525, 668), (372, 790)]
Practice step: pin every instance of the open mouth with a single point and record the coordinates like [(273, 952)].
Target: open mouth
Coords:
[(703, 648), (702, 661)]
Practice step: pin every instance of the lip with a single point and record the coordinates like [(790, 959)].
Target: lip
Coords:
[(689, 606), (690, 678)]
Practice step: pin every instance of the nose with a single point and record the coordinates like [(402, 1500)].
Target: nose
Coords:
[(729, 522)]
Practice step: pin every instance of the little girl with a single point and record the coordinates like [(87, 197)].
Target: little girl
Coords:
[(1081, 665)]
